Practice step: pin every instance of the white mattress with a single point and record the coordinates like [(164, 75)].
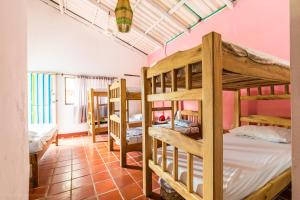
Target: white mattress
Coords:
[(135, 135), (39, 134), (248, 165)]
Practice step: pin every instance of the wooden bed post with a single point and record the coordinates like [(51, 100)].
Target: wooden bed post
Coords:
[(237, 108), (212, 117), (147, 113), (93, 115), (123, 124), (109, 112)]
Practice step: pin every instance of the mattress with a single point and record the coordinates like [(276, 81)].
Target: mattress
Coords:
[(39, 135), (248, 165), (135, 135)]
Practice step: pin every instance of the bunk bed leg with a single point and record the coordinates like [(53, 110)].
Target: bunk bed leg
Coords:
[(146, 109), (212, 117), (123, 124), (35, 170), (56, 139), (110, 109), (237, 108)]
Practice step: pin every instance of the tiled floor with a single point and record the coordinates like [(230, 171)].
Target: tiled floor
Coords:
[(78, 169)]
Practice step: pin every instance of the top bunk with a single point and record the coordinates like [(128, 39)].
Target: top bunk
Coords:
[(241, 67), (118, 88)]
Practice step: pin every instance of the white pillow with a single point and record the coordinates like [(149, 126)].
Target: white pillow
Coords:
[(268, 133)]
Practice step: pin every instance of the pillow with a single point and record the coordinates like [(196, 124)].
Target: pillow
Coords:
[(268, 133), (185, 123)]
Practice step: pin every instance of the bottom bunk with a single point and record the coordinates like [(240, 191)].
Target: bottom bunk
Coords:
[(40, 138), (249, 164)]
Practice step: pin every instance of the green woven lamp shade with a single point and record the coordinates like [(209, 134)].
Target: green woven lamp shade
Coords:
[(124, 15)]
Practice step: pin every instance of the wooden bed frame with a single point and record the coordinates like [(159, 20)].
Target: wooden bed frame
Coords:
[(118, 124), (93, 124), (219, 70), (35, 158)]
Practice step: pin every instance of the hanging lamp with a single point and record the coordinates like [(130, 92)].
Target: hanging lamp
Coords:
[(124, 16)]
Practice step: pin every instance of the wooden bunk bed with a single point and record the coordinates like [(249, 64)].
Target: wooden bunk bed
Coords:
[(201, 74), (96, 122), (118, 120)]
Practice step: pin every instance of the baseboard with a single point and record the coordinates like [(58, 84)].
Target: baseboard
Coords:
[(76, 134)]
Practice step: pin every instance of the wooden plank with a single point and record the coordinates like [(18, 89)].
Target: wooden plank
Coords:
[(176, 61), (100, 93), (161, 108), (163, 83), (176, 185), (147, 117), (267, 120), (237, 108), (193, 94), (272, 89), (188, 77), (174, 80), (272, 188), (259, 91), (115, 118), (248, 91), (266, 97), (164, 157), (189, 113), (123, 124), (133, 96), (212, 117), (287, 89), (153, 85), (190, 171), (178, 140), (154, 155), (175, 163), (248, 67)]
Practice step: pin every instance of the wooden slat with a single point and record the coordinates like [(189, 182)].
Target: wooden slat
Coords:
[(178, 140), (163, 83), (188, 77), (266, 97), (212, 117), (175, 163), (176, 61), (287, 89), (193, 94), (115, 118), (154, 155), (100, 93), (123, 124), (174, 80), (133, 96), (161, 108), (190, 172), (272, 89), (164, 157), (115, 100), (259, 91), (110, 109), (237, 108), (176, 185), (153, 85), (189, 113), (267, 120), (248, 91), (147, 118), (134, 124)]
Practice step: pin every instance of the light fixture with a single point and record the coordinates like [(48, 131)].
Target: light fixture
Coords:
[(124, 15)]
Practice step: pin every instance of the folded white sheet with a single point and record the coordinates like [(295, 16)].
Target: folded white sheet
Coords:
[(248, 165)]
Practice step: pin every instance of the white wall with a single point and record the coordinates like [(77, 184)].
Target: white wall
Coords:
[(14, 169), (295, 65), (59, 43)]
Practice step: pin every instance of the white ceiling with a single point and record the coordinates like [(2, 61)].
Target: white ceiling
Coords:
[(155, 22)]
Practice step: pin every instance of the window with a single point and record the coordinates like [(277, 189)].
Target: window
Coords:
[(69, 90), (41, 98)]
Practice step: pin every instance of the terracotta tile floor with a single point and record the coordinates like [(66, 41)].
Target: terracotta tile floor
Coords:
[(79, 169)]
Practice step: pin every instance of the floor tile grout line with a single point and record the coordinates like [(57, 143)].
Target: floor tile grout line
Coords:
[(109, 172)]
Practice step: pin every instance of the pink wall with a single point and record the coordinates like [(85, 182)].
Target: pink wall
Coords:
[(14, 155), (260, 25)]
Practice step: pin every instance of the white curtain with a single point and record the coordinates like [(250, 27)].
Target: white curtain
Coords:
[(82, 86)]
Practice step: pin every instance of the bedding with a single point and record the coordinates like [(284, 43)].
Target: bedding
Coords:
[(39, 135), (248, 165), (268, 133), (134, 135)]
